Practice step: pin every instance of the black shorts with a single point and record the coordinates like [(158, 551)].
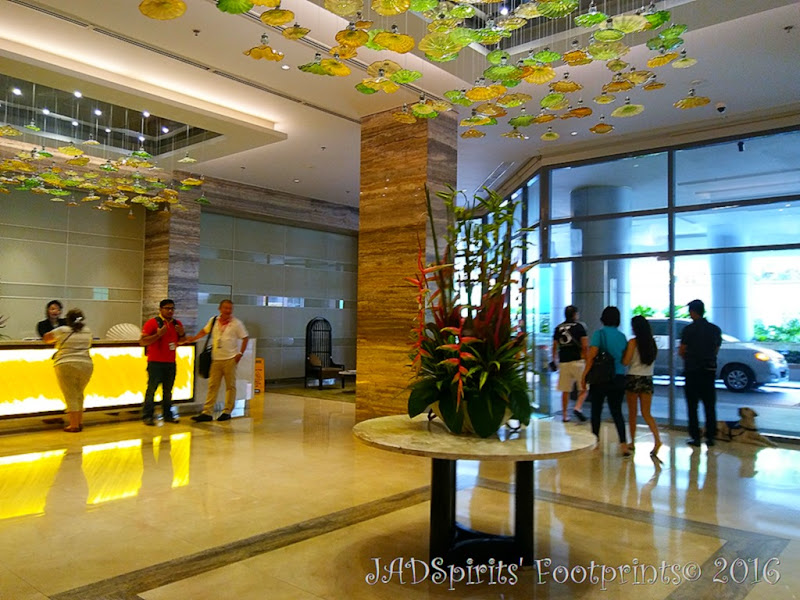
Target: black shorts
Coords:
[(639, 384)]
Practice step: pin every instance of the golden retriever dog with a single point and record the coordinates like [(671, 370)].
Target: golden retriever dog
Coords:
[(744, 430)]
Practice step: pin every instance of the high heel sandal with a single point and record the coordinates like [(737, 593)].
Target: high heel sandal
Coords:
[(654, 451), (77, 429)]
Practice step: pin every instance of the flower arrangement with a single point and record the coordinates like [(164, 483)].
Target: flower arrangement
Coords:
[(469, 360)]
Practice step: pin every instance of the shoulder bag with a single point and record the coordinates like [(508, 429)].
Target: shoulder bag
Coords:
[(204, 360), (603, 369)]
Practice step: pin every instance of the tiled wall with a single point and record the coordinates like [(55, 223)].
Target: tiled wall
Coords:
[(86, 258), (280, 277)]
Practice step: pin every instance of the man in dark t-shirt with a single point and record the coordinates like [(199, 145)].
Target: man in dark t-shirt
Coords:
[(570, 343), (700, 343)]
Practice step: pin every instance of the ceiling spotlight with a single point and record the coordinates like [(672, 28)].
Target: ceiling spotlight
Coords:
[(145, 114), (504, 11), (165, 130), (98, 112), (75, 123), (78, 94), (108, 130), (285, 67), (573, 133), (45, 111), (141, 138), (297, 181), (16, 92)]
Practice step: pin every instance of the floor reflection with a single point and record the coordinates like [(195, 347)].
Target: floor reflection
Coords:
[(25, 481)]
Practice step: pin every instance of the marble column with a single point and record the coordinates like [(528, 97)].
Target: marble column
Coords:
[(172, 263), (397, 162)]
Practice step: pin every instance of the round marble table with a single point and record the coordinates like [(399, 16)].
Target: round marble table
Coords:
[(421, 437)]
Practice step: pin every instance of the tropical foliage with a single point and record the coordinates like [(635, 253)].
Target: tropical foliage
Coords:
[(469, 360)]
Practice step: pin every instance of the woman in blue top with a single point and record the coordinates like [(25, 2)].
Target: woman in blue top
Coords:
[(611, 340)]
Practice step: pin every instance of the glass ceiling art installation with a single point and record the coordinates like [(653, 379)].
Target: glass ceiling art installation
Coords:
[(520, 43), (79, 150)]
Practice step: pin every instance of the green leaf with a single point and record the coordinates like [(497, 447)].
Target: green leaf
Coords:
[(486, 411), (453, 418), (423, 394), (234, 7), (484, 375), (519, 402)]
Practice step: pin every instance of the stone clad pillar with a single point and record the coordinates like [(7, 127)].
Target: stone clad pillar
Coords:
[(172, 263), (397, 162)]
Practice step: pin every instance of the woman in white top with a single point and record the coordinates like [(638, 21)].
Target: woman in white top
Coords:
[(640, 356), (73, 364)]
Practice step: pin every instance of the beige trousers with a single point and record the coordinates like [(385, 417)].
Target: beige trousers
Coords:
[(221, 369), (73, 377)]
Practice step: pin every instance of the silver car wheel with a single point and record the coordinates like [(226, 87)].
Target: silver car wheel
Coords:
[(737, 378)]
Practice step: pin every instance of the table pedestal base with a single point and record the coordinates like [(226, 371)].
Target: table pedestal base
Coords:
[(455, 544)]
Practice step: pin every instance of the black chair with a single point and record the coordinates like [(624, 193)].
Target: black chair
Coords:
[(319, 363)]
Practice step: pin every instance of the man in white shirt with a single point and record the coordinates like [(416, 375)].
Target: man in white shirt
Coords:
[(228, 342)]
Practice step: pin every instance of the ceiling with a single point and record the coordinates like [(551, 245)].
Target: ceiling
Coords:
[(299, 133)]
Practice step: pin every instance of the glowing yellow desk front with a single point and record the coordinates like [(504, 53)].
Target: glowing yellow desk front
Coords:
[(28, 383)]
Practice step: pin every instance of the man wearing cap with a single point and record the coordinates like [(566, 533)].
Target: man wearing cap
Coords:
[(700, 342)]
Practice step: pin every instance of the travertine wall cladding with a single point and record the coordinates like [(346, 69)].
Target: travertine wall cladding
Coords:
[(397, 162)]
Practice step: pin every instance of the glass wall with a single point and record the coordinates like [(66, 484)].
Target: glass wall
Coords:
[(614, 232)]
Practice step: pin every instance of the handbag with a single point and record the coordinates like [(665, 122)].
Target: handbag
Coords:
[(204, 360), (603, 369)]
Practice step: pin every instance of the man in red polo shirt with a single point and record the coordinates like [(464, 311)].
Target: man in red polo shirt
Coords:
[(161, 336)]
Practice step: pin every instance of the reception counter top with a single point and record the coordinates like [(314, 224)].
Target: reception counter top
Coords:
[(28, 384)]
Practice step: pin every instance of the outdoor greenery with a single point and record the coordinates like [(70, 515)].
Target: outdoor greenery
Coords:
[(680, 311), (787, 332)]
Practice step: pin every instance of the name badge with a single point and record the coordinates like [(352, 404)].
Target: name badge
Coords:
[(172, 346)]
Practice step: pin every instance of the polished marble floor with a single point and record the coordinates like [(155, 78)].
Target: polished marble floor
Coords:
[(283, 503)]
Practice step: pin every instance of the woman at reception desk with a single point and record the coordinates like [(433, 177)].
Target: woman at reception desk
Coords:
[(28, 384)]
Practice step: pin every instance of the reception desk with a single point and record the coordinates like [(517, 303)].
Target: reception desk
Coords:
[(28, 384)]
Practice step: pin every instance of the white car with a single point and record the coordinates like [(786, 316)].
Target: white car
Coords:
[(741, 365)]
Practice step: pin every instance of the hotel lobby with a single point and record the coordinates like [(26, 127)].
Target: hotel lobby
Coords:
[(298, 196)]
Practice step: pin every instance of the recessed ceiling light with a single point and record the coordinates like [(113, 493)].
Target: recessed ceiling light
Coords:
[(141, 138), (45, 111), (165, 130), (285, 67), (108, 130), (98, 112), (74, 123), (297, 181), (145, 114), (573, 133), (77, 94), (16, 92)]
